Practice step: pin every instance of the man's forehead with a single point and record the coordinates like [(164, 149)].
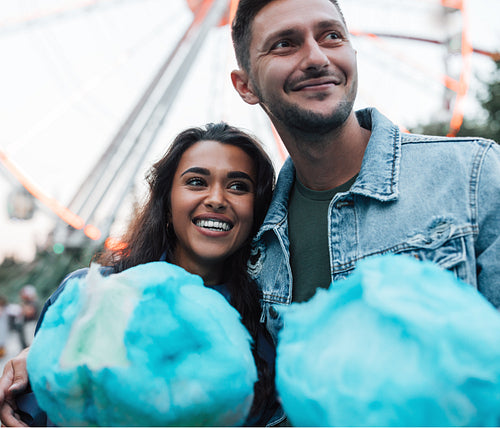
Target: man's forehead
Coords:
[(282, 16), (292, 30)]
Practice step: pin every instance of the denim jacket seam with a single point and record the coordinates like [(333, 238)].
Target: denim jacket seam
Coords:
[(269, 226), (341, 267), (394, 160), (273, 298), (474, 178), (274, 423), (276, 229), (286, 253), (423, 139), (384, 186)]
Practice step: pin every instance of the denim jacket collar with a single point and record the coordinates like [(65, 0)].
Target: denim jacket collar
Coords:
[(379, 174), (378, 177), (278, 209)]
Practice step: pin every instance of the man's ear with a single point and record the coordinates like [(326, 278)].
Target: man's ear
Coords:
[(242, 84)]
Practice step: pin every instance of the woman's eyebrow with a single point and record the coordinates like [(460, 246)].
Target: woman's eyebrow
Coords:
[(196, 170), (239, 174)]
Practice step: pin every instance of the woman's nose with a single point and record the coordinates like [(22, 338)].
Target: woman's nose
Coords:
[(215, 198)]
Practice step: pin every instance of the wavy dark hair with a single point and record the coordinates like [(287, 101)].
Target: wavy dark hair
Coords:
[(149, 237), (241, 32)]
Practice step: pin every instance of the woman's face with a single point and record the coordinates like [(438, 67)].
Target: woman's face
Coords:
[(212, 205)]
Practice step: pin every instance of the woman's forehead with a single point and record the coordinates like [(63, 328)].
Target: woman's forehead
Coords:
[(214, 155)]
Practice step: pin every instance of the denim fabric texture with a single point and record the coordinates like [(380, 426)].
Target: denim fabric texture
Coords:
[(432, 198)]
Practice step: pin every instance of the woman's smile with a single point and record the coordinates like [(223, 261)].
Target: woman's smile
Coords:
[(214, 224)]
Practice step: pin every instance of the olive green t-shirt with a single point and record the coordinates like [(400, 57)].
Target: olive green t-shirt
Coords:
[(308, 234)]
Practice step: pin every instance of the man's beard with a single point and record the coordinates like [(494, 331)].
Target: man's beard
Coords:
[(309, 122), (293, 117)]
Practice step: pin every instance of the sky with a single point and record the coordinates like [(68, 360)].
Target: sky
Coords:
[(72, 70)]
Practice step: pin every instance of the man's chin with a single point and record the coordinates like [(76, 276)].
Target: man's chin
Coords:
[(317, 122)]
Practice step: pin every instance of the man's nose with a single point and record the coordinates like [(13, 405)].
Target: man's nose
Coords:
[(314, 56)]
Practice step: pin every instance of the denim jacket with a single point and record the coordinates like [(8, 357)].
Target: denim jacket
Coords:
[(434, 198)]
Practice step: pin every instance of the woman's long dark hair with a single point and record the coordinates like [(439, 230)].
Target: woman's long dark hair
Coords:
[(149, 235)]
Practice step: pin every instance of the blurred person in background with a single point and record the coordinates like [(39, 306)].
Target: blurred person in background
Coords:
[(30, 309), (4, 325)]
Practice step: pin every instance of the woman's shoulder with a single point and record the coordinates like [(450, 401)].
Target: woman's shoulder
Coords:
[(79, 273)]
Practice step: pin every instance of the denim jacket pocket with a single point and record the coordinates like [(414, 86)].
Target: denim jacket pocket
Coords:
[(443, 244)]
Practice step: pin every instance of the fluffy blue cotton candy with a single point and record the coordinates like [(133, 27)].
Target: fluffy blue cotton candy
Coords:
[(397, 343), (150, 346)]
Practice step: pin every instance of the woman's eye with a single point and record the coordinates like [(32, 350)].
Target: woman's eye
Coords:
[(240, 186), (195, 182)]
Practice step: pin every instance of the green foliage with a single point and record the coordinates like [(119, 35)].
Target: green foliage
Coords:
[(45, 272), (490, 128)]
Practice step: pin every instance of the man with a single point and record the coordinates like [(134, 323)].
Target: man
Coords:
[(354, 185)]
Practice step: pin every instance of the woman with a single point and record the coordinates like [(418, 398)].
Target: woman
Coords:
[(208, 196)]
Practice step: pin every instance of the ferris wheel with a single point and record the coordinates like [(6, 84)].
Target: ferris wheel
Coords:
[(426, 44), (106, 83)]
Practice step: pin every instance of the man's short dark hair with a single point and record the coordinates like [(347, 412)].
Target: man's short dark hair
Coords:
[(242, 28)]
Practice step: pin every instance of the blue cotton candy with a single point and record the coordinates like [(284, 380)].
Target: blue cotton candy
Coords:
[(150, 346), (397, 343)]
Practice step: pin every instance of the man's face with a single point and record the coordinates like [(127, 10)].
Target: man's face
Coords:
[(302, 65)]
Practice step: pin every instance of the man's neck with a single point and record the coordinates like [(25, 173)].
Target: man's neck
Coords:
[(327, 161)]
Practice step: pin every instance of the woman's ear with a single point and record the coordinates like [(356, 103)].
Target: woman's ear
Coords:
[(243, 86)]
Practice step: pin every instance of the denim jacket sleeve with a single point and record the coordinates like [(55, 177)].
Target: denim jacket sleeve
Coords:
[(77, 274), (487, 213)]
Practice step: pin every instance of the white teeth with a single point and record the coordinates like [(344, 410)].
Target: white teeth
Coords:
[(213, 224)]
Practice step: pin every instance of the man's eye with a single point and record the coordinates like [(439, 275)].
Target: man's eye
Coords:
[(282, 44), (195, 182), (334, 35)]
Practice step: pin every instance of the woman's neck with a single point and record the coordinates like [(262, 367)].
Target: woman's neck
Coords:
[(211, 273)]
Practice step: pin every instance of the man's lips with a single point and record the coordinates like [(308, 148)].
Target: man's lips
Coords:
[(315, 84)]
